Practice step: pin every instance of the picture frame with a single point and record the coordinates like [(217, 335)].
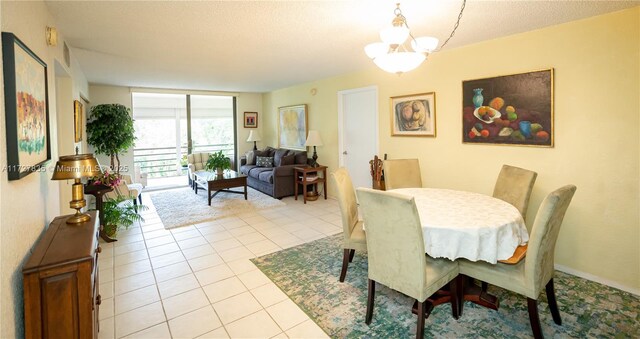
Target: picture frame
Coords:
[(26, 108), (515, 110), (413, 115), (250, 119), (78, 114), (292, 127)]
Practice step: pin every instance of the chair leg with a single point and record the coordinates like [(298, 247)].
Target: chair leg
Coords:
[(534, 319), (140, 198), (370, 297), (455, 303), (462, 279), (345, 264), (422, 306), (553, 305), (135, 205), (351, 254)]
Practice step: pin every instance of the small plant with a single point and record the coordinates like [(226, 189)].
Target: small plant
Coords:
[(108, 179), (183, 161), (218, 161), (120, 212)]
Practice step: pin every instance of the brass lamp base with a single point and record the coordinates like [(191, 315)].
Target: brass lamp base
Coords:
[(78, 218)]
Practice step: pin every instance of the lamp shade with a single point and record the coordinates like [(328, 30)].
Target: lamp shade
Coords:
[(76, 167), (254, 135), (313, 139)]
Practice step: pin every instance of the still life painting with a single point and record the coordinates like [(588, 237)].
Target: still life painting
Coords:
[(27, 112), (414, 115), (292, 127), (513, 109)]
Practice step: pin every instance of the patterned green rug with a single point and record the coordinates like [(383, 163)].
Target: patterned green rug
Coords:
[(308, 274)]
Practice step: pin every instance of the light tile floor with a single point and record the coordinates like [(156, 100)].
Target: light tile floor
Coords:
[(197, 281)]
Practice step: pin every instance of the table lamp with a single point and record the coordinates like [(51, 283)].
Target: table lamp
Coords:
[(76, 167), (254, 136), (314, 139)]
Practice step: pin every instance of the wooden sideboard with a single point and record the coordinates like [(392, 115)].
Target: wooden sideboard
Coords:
[(60, 278)]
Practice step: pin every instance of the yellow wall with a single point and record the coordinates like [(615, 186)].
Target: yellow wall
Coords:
[(597, 111), (29, 204)]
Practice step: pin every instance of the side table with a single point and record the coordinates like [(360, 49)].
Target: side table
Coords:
[(304, 176), (99, 191)]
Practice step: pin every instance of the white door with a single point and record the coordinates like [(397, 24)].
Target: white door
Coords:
[(358, 132)]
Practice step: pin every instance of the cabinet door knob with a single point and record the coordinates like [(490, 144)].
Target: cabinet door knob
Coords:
[(98, 299), (99, 249)]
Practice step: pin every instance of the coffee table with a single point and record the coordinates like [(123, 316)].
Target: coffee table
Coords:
[(211, 181)]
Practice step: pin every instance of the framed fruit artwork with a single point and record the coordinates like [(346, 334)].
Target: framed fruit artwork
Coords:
[(514, 109)]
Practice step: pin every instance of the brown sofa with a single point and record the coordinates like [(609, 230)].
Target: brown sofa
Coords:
[(276, 181)]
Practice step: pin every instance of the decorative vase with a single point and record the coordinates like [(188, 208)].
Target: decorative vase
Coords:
[(525, 128), (478, 99), (219, 171)]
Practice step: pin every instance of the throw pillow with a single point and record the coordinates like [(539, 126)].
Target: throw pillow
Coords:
[(288, 159), (301, 158), (264, 161), (277, 157), (259, 153), (251, 158)]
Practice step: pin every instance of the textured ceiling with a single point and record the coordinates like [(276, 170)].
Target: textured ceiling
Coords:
[(258, 46)]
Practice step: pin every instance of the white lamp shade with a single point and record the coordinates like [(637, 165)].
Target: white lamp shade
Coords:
[(400, 62), (376, 49), (394, 35), (313, 139), (254, 135), (425, 44)]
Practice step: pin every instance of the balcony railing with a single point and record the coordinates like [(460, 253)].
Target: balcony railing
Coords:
[(165, 162)]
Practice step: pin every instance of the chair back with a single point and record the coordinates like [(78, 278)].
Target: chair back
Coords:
[(346, 200), (544, 233), (199, 160), (402, 173), (395, 245), (514, 185)]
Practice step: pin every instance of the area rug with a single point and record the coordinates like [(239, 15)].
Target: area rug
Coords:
[(308, 274), (181, 207)]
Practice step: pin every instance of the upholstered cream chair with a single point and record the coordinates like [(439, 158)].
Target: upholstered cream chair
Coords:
[(195, 162), (529, 276), (353, 235), (402, 173), (127, 188), (396, 252), (514, 185)]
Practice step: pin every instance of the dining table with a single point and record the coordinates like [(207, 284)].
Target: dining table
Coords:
[(470, 226)]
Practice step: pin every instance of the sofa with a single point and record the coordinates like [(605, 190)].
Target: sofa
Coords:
[(276, 178)]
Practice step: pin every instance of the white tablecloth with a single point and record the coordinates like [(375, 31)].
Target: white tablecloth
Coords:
[(458, 224)]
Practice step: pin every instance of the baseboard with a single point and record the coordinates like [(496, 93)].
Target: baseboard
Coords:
[(597, 279)]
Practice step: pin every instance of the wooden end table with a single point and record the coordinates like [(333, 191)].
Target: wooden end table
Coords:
[(99, 191), (304, 176), (211, 181)]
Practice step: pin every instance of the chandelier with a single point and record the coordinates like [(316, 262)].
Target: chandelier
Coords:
[(392, 56)]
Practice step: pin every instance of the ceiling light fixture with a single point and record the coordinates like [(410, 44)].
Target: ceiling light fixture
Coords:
[(392, 56)]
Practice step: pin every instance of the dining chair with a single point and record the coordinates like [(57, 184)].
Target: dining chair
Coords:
[(402, 173), (529, 276), (514, 185), (397, 256), (353, 234)]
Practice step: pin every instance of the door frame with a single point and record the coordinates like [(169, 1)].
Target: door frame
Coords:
[(341, 94)]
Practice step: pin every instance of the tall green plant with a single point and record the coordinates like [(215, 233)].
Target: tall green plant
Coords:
[(110, 131)]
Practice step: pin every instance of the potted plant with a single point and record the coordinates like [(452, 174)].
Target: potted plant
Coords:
[(219, 162), (119, 212), (110, 131)]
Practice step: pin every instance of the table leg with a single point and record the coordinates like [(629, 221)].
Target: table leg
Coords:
[(245, 191), (295, 189), (476, 295), (304, 191), (209, 195)]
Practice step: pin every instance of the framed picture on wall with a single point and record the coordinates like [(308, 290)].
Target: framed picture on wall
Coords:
[(414, 115), (250, 119), (26, 108), (78, 114), (512, 109), (292, 127)]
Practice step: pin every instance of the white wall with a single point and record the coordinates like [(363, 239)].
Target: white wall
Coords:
[(29, 204)]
